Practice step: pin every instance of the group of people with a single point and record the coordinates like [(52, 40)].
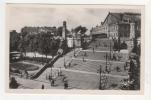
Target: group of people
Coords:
[(67, 65), (53, 83), (52, 80)]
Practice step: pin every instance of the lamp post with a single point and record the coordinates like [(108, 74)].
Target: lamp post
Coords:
[(100, 86), (64, 62), (119, 41), (60, 73), (106, 63), (51, 72), (74, 46), (110, 50)]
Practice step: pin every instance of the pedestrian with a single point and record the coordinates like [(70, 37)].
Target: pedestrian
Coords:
[(26, 73), (85, 54), (96, 46), (69, 64), (65, 65), (50, 78), (114, 57), (52, 82), (58, 73), (83, 59), (66, 85), (42, 87), (118, 69), (125, 65), (64, 78), (93, 49), (21, 74), (46, 77), (99, 44), (107, 70)]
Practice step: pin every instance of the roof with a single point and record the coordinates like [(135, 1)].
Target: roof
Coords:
[(120, 16), (117, 15)]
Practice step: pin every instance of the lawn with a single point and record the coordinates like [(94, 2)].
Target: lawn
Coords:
[(21, 66)]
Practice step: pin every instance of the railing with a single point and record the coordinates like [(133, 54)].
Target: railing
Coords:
[(49, 64)]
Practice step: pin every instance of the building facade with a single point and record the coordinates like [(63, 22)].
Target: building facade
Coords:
[(73, 39), (123, 25)]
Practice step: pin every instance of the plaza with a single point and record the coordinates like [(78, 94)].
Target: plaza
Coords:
[(62, 58)]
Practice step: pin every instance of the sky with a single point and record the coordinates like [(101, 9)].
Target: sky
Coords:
[(18, 16)]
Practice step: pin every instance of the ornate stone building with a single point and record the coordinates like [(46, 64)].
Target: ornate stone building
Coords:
[(123, 25)]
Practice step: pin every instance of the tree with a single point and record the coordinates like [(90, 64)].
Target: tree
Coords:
[(14, 40), (45, 43), (59, 31), (24, 42), (55, 46), (13, 83), (33, 43), (82, 31)]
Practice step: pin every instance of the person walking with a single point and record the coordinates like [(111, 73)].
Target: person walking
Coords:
[(66, 85), (42, 87), (85, 54), (52, 82), (64, 78), (69, 65), (125, 66), (83, 59), (93, 50), (50, 78), (26, 73)]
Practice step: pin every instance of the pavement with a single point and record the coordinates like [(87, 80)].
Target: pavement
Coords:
[(34, 84)]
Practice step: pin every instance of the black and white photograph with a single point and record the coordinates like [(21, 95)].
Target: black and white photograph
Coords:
[(74, 47)]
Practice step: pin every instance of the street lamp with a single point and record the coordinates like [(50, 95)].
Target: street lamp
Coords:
[(100, 86), (64, 62), (119, 41), (74, 46), (60, 73), (51, 72), (106, 63), (110, 49)]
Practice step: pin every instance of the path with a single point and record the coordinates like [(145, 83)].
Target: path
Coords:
[(83, 72), (98, 60), (122, 51), (34, 84)]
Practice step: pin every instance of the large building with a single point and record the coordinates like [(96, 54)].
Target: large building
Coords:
[(123, 25)]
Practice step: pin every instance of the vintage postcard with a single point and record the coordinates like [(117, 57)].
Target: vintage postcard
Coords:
[(96, 49)]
